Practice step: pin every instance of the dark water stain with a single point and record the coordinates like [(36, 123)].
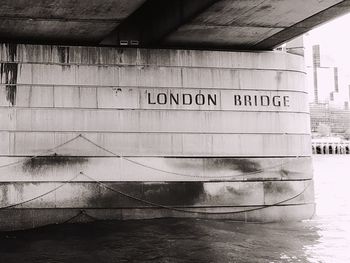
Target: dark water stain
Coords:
[(244, 165), (120, 53), (284, 172), (185, 193), (278, 76), (44, 162), (102, 197), (94, 55), (4, 194), (188, 193), (19, 188), (235, 191), (145, 57), (265, 7), (9, 72), (63, 54), (278, 188), (217, 164), (12, 51)]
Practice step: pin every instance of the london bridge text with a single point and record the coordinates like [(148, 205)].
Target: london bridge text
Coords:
[(162, 98)]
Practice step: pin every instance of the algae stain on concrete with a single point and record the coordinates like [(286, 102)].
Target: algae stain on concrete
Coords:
[(44, 162), (243, 165), (64, 57), (277, 188), (63, 54), (164, 194), (9, 72)]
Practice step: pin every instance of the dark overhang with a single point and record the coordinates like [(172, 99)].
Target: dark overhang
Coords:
[(197, 24)]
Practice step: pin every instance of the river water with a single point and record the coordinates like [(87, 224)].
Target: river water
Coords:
[(326, 238)]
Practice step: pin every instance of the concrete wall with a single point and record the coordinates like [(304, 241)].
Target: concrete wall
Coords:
[(180, 119)]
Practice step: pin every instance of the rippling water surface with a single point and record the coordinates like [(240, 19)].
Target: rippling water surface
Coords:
[(326, 238)]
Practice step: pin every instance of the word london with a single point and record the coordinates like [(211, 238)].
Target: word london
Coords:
[(211, 99)]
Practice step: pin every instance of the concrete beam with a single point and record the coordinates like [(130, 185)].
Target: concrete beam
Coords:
[(78, 22), (304, 26), (154, 20)]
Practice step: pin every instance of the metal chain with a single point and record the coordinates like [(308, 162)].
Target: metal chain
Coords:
[(140, 164), (42, 195), (191, 211), (180, 174), (149, 202), (40, 154)]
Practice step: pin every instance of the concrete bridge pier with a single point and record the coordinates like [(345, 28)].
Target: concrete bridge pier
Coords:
[(90, 133)]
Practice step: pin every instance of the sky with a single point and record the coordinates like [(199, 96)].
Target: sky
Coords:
[(334, 40)]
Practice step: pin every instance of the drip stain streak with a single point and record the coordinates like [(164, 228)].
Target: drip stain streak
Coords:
[(9, 72), (63, 54)]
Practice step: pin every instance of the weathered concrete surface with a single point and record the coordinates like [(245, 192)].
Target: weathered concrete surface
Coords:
[(84, 21), (254, 24), (117, 89), (214, 131), (62, 168), (14, 219), (205, 24), (173, 194)]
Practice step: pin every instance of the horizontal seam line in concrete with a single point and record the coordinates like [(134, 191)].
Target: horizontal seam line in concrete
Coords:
[(154, 132), (165, 182), (156, 207), (214, 25), (145, 87), (176, 156), (166, 109), (151, 65), (88, 20), (258, 51), (62, 108)]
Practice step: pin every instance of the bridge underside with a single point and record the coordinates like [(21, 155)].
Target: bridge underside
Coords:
[(199, 24), (154, 130)]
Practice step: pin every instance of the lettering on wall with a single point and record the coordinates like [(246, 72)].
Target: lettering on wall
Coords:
[(261, 100), (182, 99), (204, 99), (162, 98)]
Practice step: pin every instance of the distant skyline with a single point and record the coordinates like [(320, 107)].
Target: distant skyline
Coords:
[(334, 41), (334, 38)]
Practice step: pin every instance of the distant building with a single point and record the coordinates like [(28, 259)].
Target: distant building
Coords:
[(338, 119), (325, 79), (329, 107)]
